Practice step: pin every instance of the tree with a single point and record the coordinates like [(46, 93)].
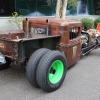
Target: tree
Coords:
[(61, 7)]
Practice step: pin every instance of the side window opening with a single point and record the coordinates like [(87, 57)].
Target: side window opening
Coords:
[(74, 32)]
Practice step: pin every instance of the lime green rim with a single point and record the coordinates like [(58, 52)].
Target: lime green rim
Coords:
[(56, 71)]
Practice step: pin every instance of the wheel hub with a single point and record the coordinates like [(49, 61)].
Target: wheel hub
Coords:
[(52, 71), (56, 71)]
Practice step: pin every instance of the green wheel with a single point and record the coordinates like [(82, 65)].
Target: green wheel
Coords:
[(56, 71), (51, 71)]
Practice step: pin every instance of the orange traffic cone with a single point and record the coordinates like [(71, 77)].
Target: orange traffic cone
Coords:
[(98, 29), (98, 26)]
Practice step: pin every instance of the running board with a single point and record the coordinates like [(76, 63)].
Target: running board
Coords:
[(88, 49)]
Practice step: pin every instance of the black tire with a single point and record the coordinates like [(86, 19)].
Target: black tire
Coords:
[(6, 65), (32, 65), (44, 68)]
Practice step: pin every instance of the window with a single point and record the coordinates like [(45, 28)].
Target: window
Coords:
[(28, 7), (7, 7), (36, 7), (39, 7), (73, 33)]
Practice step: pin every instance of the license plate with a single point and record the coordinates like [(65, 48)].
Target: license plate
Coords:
[(2, 59)]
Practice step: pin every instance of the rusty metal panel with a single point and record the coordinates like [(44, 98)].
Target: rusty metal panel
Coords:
[(72, 50), (8, 49), (54, 23), (9, 35), (15, 50), (5, 47)]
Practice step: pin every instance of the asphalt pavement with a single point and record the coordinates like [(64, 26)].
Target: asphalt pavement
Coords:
[(82, 82)]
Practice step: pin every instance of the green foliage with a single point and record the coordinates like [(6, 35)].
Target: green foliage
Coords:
[(96, 21), (72, 3), (16, 19), (88, 23), (75, 19)]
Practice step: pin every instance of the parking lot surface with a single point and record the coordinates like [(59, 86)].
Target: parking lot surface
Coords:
[(82, 82)]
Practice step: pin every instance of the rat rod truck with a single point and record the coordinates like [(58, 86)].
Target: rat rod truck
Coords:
[(47, 46)]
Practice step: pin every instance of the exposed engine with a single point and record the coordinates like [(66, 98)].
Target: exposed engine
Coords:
[(85, 40), (89, 42)]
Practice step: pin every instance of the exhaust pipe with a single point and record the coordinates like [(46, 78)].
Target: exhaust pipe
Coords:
[(27, 28), (47, 27)]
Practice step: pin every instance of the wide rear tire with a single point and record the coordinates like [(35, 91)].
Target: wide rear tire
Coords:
[(32, 65), (51, 71)]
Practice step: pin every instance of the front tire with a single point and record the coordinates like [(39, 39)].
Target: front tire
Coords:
[(51, 71), (6, 65)]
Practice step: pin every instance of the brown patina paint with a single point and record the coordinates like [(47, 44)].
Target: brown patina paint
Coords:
[(58, 28)]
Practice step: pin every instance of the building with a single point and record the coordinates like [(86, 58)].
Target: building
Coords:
[(39, 8), (46, 7)]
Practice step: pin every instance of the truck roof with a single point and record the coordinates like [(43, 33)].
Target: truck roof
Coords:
[(52, 21)]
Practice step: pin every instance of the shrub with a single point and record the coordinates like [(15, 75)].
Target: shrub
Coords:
[(16, 19), (96, 21), (87, 23)]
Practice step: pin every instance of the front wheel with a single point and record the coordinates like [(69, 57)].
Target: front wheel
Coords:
[(51, 71), (6, 65)]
